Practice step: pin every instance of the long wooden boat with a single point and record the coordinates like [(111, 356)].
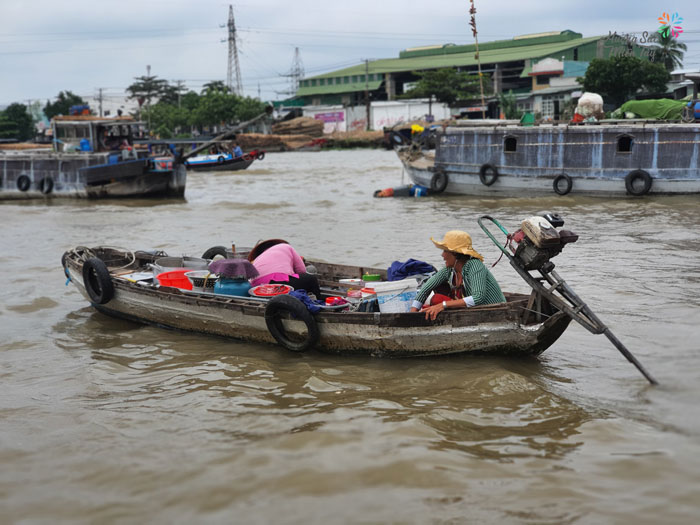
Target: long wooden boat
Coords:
[(223, 161), (104, 276), (608, 158), (90, 157)]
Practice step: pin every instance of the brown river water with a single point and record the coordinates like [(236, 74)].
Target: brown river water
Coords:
[(107, 421)]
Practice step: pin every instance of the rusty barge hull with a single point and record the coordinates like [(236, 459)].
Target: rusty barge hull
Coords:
[(603, 159)]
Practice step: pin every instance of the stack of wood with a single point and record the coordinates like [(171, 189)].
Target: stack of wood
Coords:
[(250, 141), (299, 126)]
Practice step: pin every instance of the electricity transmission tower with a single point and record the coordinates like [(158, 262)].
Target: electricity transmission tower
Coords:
[(295, 74), (233, 65)]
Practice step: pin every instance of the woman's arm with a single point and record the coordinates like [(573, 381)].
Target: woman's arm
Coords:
[(440, 277), (297, 262)]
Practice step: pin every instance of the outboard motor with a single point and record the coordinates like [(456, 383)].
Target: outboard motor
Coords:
[(539, 241)]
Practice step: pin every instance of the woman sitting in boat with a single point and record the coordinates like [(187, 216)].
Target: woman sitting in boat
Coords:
[(278, 263), (464, 282)]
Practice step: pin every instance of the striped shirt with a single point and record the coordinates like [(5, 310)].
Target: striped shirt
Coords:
[(477, 282)]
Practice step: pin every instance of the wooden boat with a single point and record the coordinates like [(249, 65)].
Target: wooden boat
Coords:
[(119, 283), (105, 276), (607, 158), (90, 157), (223, 160)]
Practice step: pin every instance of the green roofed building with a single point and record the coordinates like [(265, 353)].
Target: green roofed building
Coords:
[(509, 64)]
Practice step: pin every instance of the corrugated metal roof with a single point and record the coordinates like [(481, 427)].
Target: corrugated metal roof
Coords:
[(338, 88), (495, 56)]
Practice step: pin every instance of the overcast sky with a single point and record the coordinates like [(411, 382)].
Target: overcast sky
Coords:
[(49, 46)]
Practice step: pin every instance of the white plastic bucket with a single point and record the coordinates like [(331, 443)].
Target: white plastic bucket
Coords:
[(396, 296)]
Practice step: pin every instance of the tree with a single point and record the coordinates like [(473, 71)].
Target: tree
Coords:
[(619, 78), (18, 123), (447, 85), (62, 105), (509, 105), (8, 128), (145, 89), (667, 50), (215, 86)]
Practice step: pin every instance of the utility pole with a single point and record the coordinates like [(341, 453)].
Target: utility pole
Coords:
[(367, 105), (99, 97), (233, 65), (179, 84), (472, 23), (148, 100)]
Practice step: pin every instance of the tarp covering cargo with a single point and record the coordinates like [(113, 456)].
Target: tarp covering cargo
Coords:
[(659, 109)]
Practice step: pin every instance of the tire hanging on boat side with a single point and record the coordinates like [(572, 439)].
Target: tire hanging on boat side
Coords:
[(260, 155), (568, 184), (632, 177), (23, 182), (439, 181), (46, 185), (97, 281), (485, 179), (214, 251), (298, 310)]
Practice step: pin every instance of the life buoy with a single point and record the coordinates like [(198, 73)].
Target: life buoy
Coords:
[(298, 310), (220, 160), (631, 182), (97, 281), (260, 155), (439, 181), (46, 185), (485, 179), (214, 251), (23, 182), (568, 184)]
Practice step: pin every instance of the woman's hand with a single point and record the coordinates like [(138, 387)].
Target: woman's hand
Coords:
[(432, 311)]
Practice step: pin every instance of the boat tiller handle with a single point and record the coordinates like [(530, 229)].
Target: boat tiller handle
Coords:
[(486, 230)]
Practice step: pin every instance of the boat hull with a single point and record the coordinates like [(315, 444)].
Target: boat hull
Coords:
[(497, 329), (597, 160), (85, 175), (234, 164)]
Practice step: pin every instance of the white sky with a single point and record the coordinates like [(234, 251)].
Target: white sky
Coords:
[(47, 46)]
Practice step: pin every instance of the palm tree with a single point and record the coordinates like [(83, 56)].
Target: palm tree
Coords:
[(215, 86), (667, 51)]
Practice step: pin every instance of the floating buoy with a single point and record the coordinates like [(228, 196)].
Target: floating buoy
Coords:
[(411, 190)]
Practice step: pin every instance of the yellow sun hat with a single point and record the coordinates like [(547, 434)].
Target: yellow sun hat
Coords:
[(459, 242)]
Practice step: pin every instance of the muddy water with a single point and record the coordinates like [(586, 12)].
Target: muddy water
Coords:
[(105, 421)]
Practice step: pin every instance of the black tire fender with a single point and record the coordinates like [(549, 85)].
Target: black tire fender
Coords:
[(397, 138), (260, 155), (568, 184), (97, 281), (439, 182), (220, 160), (46, 185), (298, 310), (214, 251), (23, 182), (632, 177), (484, 177)]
